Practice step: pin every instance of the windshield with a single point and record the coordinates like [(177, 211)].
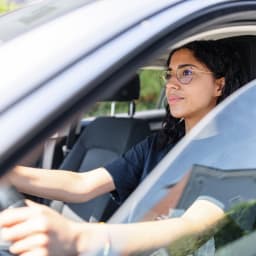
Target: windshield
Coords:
[(224, 140), (35, 14)]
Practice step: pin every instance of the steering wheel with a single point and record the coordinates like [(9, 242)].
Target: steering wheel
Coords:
[(9, 198)]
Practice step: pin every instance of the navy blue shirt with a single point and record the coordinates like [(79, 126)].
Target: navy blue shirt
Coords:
[(131, 168)]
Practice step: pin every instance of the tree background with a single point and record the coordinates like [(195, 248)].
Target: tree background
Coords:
[(152, 87)]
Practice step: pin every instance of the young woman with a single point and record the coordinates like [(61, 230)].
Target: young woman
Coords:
[(199, 75)]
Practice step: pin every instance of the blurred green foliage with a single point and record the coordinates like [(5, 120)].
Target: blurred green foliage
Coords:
[(6, 6), (151, 88)]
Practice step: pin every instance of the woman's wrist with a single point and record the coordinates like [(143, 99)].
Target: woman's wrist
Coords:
[(93, 238), (106, 247), (80, 233)]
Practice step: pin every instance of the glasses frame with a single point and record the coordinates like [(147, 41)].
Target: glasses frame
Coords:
[(193, 69)]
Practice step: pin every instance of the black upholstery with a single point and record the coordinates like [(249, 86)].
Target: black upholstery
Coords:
[(103, 140)]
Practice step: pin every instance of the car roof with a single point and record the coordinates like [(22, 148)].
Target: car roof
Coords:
[(45, 51), (34, 14)]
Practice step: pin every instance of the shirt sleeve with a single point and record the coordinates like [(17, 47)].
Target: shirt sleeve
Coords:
[(126, 171)]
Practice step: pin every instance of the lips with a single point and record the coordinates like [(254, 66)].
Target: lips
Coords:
[(172, 99)]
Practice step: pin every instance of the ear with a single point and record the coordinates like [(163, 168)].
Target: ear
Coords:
[(220, 83)]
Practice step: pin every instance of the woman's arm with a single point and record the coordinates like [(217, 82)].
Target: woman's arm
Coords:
[(39, 229), (201, 218), (62, 185)]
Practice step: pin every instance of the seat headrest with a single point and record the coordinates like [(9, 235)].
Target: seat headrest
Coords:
[(246, 47), (129, 92)]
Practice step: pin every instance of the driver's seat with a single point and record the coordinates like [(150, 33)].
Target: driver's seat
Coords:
[(103, 140)]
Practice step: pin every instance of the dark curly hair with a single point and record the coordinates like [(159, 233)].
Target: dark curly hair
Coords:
[(224, 61)]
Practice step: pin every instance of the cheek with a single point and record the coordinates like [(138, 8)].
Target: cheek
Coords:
[(203, 97), (195, 100)]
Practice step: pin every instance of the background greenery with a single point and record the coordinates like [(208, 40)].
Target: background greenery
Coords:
[(150, 95), (6, 6)]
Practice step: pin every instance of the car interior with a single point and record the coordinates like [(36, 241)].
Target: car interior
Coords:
[(105, 138), (88, 141), (101, 139)]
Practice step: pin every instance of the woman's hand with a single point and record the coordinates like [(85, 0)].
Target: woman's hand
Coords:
[(38, 230)]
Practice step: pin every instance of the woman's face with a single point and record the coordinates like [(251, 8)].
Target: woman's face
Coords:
[(197, 97)]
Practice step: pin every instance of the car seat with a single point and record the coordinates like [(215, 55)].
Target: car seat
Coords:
[(103, 140)]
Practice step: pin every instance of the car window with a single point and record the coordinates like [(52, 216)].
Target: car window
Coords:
[(224, 140), (151, 95)]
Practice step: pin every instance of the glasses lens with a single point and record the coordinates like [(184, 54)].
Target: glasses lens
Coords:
[(167, 76), (184, 75)]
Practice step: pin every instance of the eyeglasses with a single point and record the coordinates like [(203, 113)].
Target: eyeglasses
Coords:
[(183, 74)]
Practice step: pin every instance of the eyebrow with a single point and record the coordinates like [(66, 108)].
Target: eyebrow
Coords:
[(184, 65)]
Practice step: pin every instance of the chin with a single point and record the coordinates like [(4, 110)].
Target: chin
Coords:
[(177, 115)]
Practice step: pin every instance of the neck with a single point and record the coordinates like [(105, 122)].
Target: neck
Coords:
[(193, 119), (191, 122)]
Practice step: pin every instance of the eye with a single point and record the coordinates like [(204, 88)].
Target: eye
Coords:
[(187, 72)]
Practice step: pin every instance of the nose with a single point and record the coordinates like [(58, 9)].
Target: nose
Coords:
[(173, 83)]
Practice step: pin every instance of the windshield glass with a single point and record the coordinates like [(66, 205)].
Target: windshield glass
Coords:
[(225, 140), (35, 14)]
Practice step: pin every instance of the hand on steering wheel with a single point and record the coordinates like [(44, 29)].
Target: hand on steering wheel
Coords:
[(36, 229), (9, 198)]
